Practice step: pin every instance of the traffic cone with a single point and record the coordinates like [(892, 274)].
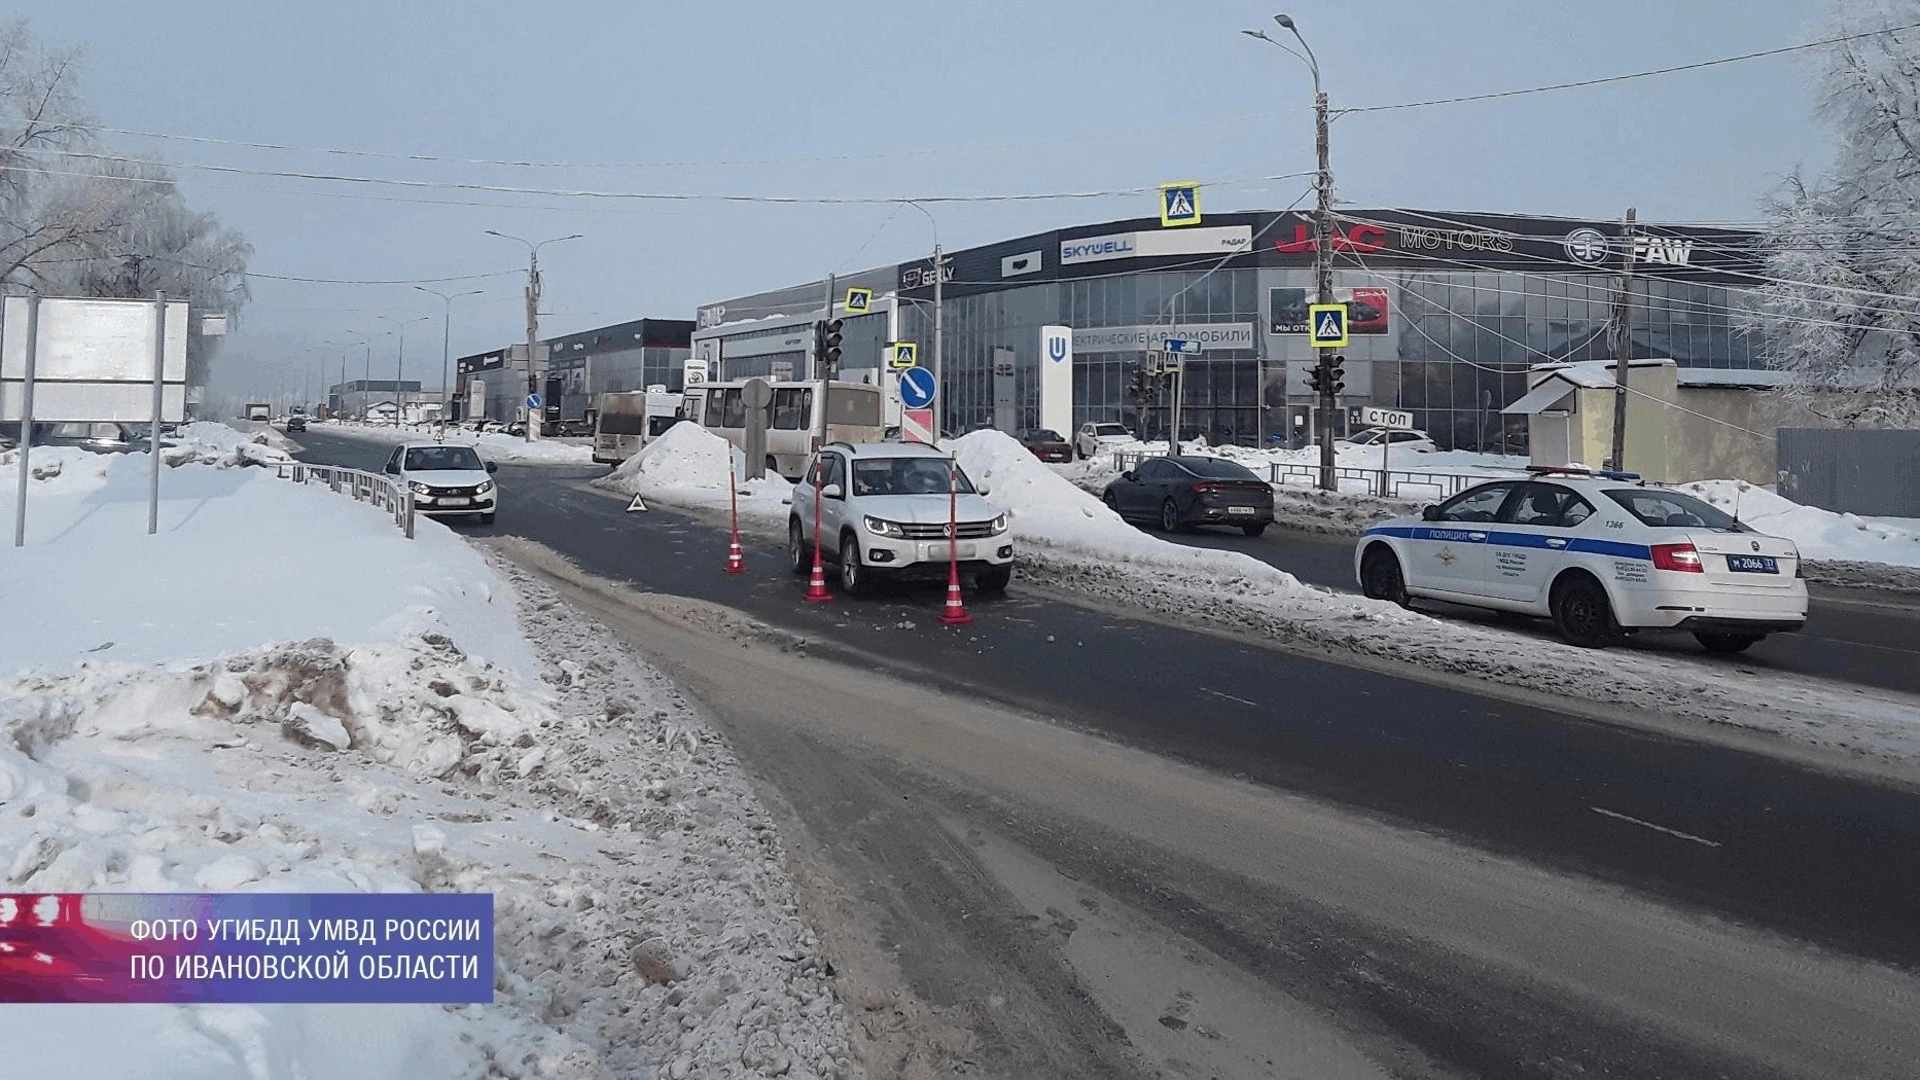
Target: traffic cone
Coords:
[(817, 585), (955, 613), (736, 563)]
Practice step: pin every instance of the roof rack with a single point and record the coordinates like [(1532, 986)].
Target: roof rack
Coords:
[(1581, 470)]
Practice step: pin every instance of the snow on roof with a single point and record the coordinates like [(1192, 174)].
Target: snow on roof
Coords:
[(1758, 378), (1587, 374)]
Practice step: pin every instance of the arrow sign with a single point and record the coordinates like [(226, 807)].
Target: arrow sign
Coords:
[(1184, 346), (917, 388)]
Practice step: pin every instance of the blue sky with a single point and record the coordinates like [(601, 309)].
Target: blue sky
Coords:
[(906, 98)]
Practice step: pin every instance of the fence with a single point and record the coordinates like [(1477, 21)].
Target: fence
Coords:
[(1852, 471), (1389, 483), (387, 494)]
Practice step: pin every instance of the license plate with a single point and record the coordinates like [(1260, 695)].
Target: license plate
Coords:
[(1753, 564), (1239, 509), (455, 502), (939, 551)]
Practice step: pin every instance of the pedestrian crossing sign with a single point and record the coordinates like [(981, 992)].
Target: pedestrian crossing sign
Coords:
[(1327, 325), (1180, 204), (906, 354), (859, 301)]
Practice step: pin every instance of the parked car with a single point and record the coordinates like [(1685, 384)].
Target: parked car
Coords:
[(446, 479), (1178, 493), (1602, 554), (884, 512), (102, 438), (1046, 444), (1417, 441), (1095, 438)]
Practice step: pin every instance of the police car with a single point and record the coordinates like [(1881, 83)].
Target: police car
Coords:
[(1599, 553)]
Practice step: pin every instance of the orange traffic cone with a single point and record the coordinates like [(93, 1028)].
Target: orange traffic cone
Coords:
[(817, 585), (955, 613), (736, 563)]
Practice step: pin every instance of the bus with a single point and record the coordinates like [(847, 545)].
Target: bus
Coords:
[(856, 412), (631, 419)]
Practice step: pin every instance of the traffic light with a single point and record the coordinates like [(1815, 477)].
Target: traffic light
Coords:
[(1316, 379), (826, 344), (1335, 372)]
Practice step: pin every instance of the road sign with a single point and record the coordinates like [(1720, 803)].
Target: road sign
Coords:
[(916, 425), (1184, 346), (917, 388), (1396, 419), (859, 300), (1327, 325), (1180, 203), (637, 506), (1156, 361), (533, 401), (906, 354)]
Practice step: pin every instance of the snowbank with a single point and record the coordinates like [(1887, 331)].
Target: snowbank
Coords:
[(492, 445), (297, 698), (690, 466), (1821, 535)]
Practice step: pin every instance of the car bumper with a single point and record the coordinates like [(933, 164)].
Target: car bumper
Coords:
[(437, 508), (1225, 515), (931, 556), (1714, 610)]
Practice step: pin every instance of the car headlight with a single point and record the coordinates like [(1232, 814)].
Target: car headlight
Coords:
[(485, 486), (999, 525), (417, 487), (881, 527)]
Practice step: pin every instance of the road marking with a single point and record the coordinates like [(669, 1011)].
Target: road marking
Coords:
[(1656, 828), (1230, 697)]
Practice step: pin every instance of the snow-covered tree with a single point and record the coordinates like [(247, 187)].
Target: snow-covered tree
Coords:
[(1842, 308)]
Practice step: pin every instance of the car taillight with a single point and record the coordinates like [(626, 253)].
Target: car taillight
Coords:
[(1205, 488), (1678, 557)]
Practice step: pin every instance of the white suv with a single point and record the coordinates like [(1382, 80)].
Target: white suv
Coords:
[(884, 511), (1094, 438)]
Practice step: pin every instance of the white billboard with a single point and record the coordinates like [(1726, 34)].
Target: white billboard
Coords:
[(92, 360), (1221, 240), (1056, 379)]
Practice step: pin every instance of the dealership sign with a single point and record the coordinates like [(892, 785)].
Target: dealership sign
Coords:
[(1223, 240), (1211, 336)]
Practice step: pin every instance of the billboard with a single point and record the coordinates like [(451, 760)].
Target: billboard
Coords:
[(93, 360), (1366, 309)]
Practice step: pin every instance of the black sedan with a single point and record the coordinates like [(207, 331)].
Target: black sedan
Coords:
[(1047, 445), (1179, 493)]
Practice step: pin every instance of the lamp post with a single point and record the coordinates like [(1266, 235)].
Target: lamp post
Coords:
[(1323, 241), (533, 317), (400, 366), (939, 387), (446, 339)]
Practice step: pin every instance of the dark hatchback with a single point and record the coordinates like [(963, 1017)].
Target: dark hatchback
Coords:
[(1047, 445), (1179, 493)]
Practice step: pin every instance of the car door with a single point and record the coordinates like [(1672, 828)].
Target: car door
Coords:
[(833, 511), (1156, 479), (1449, 554), (1537, 527)]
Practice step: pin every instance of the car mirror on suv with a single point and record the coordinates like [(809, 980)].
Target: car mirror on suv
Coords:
[(493, 467), (392, 469), (1429, 513), (833, 491), (1127, 476)]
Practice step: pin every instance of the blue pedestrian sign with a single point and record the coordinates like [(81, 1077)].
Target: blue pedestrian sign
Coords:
[(1184, 346), (1179, 204), (1327, 325), (916, 388), (533, 401)]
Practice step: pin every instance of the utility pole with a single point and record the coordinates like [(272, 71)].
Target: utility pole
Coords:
[(1323, 273), (939, 386), (533, 321), (1623, 344)]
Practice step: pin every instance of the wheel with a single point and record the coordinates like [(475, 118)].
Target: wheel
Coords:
[(1728, 643), (1077, 455), (994, 579), (799, 559), (1380, 576), (1169, 517), (853, 576), (1254, 528), (773, 466), (1582, 614), (1112, 503)]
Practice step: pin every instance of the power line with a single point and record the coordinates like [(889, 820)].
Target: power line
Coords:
[(1604, 80)]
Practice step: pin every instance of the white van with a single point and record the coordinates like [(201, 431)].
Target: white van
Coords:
[(631, 419)]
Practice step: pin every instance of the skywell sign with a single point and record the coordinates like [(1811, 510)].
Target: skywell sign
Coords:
[(1225, 240)]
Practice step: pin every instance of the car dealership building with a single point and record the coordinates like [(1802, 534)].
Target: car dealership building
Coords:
[(1448, 312)]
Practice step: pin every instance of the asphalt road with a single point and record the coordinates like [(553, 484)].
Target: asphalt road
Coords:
[(1780, 846), (1850, 635)]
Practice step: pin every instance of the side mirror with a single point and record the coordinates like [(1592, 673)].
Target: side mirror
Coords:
[(1429, 513), (833, 491), (982, 490), (392, 469), (492, 467), (1127, 476)]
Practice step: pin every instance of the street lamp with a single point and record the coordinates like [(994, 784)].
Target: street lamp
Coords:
[(939, 389), (1323, 242), (446, 337), (533, 317), (399, 368)]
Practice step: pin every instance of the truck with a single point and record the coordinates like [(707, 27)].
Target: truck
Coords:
[(260, 412)]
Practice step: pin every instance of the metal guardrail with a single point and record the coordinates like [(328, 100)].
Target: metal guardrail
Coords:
[(382, 492), (1386, 483)]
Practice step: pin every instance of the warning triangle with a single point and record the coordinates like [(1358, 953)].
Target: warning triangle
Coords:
[(638, 504), (1329, 327)]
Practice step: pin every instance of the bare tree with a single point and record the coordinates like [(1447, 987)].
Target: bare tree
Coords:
[(41, 219), (1842, 309)]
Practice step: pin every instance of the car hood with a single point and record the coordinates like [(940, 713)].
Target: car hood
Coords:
[(447, 477), (927, 509)]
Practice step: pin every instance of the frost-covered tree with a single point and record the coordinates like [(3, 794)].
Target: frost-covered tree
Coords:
[(1842, 309), (43, 218)]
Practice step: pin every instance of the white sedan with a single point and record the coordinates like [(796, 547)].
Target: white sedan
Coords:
[(1417, 441), (447, 480), (1600, 554)]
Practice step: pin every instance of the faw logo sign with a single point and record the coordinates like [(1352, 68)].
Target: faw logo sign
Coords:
[(1662, 251)]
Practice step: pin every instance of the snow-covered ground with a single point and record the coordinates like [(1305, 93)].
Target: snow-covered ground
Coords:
[(280, 692), (492, 445), (690, 466), (1821, 535)]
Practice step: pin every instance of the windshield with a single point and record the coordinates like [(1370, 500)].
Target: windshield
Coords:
[(906, 476), (1216, 469), (438, 458), (1672, 510), (1108, 429)]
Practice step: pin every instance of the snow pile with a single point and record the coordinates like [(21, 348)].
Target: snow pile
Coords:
[(644, 924), (53, 470), (204, 443), (1821, 535), (690, 466), (491, 445)]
